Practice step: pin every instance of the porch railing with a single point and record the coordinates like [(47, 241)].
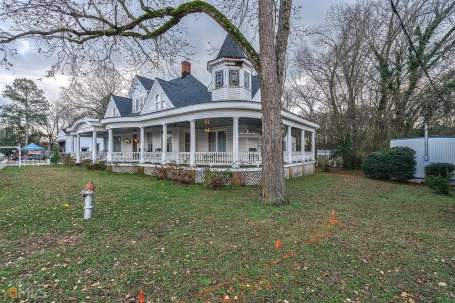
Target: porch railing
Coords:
[(204, 158), (298, 156), (152, 157), (101, 156), (213, 158), (183, 158), (86, 155), (250, 158), (126, 157)]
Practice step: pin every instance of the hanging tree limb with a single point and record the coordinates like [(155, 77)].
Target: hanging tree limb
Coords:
[(134, 26)]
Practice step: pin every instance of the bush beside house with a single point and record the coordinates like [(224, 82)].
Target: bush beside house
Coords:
[(398, 163), (55, 155), (438, 177)]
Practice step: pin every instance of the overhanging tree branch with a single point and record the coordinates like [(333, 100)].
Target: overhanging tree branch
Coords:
[(130, 29)]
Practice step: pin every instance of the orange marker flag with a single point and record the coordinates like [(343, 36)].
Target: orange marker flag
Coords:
[(333, 218), (141, 297), (278, 244)]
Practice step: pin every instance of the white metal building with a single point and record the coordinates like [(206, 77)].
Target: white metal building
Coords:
[(440, 150)]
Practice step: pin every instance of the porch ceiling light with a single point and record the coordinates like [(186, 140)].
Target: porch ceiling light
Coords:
[(206, 121), (207, 130)]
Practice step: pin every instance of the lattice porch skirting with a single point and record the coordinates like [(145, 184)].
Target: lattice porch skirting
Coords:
[(248, 176)]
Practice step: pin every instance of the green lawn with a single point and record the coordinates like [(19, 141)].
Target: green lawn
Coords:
[(391, 242)]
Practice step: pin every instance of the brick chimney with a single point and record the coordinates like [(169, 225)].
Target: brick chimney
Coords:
[(186, 68)]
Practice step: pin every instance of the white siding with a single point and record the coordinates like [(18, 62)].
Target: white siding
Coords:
[(230, 93), (150, 102), (110, 110), (257, 96), (439, 149)]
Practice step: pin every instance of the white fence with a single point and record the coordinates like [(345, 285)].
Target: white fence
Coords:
[(440, 150), (3, 164)]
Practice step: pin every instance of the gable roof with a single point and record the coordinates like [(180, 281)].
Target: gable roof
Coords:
[(183, 91), (255, 85), (230, 49), (146, 82), (124, 105)]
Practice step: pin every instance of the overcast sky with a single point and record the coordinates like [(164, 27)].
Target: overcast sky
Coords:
[(206, 34)]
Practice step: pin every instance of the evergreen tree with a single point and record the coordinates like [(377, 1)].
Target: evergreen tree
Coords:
[(26, 109)]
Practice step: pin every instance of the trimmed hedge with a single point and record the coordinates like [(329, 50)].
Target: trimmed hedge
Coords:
[(397, 163), (438, 177), (403, 163), (438, 184), (376, 165), (440, 169)]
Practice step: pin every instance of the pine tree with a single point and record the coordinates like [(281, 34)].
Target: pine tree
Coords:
[(26, 109)]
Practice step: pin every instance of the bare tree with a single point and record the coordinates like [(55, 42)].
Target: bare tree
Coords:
[(368, 80), (83, 33), (89, 94)]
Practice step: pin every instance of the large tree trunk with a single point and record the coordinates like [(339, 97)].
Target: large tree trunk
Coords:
[(273, 187)]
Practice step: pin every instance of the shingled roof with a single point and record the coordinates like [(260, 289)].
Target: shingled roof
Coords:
[(183, 91), (124, 105), (146, 82), (230, 49)]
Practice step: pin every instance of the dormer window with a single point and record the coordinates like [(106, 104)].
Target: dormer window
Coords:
[(157, 102), (138, 103), (234, 77), (246, 79), (219, 81)]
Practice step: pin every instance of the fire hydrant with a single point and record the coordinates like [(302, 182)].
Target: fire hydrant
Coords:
[(89, 195)]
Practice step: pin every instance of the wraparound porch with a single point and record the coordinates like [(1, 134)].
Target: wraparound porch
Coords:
[(214, 142), (223, 134)]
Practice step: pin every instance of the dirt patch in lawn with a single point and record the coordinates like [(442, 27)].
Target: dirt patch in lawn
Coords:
[(27, 247)]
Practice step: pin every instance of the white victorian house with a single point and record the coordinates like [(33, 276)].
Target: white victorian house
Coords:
[(185, 122)]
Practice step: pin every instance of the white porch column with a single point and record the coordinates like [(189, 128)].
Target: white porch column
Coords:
[(110, 144), (176, 146), (73, 145), (313, 145), (142, 143), (289, 144), (302, 144), (78, 148), (164, 144), (235, 141), (192, 142), (94, 147)]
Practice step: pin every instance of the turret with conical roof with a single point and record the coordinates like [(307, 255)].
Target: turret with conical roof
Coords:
[(231, 73), (230, 49)]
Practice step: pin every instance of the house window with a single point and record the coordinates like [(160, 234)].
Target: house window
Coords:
[(163, 103), (219, 81), (222, 142), (187, 142), (115, 112), (246, 79), (169, 143), (234, 77), (217, 141), (138, 104), (212, 141), (117, 144), (150, 142), (157, 102)]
